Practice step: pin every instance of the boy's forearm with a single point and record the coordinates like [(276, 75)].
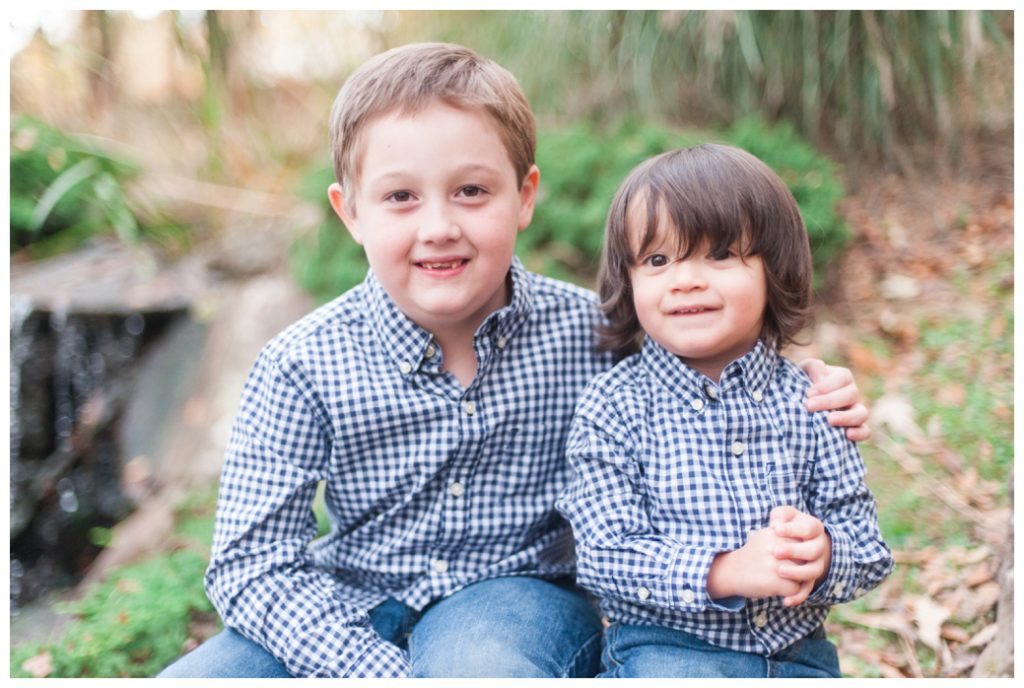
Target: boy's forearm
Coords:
[(721, 582)]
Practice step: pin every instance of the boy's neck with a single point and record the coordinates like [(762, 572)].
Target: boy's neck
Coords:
[(459, 356), (712, 367)]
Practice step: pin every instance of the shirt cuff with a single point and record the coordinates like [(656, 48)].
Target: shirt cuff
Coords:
[(839, 585), (684, 587)]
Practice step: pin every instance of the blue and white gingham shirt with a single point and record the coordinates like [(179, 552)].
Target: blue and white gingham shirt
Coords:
[(673, 469), (429, 486)]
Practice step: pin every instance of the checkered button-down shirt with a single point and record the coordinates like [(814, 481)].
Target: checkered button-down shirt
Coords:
[(673, 469), (429, 486)]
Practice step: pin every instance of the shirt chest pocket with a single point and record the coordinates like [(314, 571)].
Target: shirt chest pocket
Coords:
[(789, 485)]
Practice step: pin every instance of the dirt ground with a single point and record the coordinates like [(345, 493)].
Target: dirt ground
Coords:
[(927, 253)]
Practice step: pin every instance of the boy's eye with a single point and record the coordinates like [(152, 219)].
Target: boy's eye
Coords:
[(656, 260), (399, 196), (471, 191)]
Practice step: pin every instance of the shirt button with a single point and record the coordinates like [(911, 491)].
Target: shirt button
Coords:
[(711, 392), (405, 367), (431, 351), (761, 620), (697, 404), (643, 593), (501, 342), (758, 397), (738, 448), (440, 565), (456, 489), (838, 588), (469, 407), (687, 596)]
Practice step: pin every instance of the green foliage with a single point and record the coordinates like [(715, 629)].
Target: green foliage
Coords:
[(581, 167), (976, 424), (327, 262), (811, 177), (134, 623), (863, 81), (64, 191)]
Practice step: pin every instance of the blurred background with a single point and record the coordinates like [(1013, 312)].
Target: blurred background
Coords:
[(168, 215)]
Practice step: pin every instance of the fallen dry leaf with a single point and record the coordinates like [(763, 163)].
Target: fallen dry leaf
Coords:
[(978, 602), (899, 288), (129, 586), (951, 394), (862, 359), (976, 555), (895, 412), (955, 634), (889, 671), (984, 636), (981, 573), (929, 617), (39, 666)]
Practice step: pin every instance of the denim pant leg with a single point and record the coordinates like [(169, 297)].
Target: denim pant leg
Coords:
[(513, 626), (227, 655), (636, 651), (813, 657), (658, 652), (231, 655)]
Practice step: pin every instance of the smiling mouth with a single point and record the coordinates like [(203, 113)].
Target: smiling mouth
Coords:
[(443, 265), (695, 310)]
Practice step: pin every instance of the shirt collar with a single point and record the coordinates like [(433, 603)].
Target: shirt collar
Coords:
[(750, 373), (409, 344)]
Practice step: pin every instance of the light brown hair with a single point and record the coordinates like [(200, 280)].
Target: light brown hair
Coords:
[(414, 76), (727, 197)]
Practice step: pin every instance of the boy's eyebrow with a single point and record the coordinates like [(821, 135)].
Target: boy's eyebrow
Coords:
[(400, 175)]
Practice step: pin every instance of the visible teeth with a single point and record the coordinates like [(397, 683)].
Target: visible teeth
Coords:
[(440, 266)]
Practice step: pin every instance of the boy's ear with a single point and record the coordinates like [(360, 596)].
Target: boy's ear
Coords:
[(528, 196), (337, 198)]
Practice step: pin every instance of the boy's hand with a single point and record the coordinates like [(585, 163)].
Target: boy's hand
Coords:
[(804, 550), (835, 390), (752, 571)]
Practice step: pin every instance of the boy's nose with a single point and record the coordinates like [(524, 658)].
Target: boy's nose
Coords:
[(688, 275), (438, 224)]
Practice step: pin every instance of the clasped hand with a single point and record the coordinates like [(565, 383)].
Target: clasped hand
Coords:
[(787, 559)]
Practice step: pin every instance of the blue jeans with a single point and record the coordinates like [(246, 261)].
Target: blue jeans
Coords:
[(658, 652), (514, 626)]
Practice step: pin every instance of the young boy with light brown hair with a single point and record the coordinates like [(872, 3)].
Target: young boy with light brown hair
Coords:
[(432, 401)]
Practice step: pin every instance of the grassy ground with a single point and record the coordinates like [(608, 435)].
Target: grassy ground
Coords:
[(922, 310), (926, 322)]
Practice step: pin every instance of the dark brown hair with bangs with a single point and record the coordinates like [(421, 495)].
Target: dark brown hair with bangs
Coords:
[(716, 193)]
